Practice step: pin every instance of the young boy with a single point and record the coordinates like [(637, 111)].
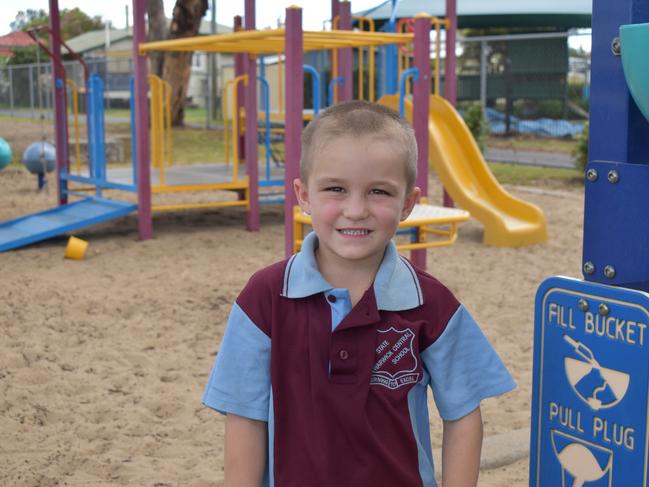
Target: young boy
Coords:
[(324, 367)]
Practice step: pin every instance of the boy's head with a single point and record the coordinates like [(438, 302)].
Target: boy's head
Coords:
[(357, 181), (356, 119)]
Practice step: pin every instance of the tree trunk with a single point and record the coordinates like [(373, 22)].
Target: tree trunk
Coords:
[(186, 21), (157, 32)]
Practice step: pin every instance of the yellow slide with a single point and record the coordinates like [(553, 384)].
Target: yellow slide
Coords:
[(458, 162)]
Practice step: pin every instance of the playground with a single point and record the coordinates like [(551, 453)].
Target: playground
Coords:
[(104, 360)]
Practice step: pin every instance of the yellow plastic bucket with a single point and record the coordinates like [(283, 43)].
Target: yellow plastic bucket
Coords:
[(76, 248)]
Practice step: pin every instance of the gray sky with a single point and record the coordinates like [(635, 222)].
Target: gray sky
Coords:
[(267, 11)]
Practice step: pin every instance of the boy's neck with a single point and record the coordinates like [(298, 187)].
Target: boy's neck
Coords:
[(355, 278)]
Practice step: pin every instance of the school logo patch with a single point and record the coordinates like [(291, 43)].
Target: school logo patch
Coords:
[(396, 362)]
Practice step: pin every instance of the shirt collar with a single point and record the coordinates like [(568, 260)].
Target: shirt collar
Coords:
[(396, 286)]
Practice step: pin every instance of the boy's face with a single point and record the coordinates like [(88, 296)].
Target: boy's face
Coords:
[(356, 195)]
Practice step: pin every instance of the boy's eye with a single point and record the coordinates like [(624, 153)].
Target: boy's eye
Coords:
[(380, 191), (335, 189)]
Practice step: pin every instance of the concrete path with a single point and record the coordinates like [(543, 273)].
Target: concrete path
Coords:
[(532, 158)]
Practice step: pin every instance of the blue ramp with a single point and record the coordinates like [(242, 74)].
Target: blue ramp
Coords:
[(57, 221)]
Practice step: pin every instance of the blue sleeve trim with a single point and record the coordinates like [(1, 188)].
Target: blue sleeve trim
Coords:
[(464, 368), (240, 379)]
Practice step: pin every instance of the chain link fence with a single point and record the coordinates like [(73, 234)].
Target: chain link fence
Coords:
[(527, 84)]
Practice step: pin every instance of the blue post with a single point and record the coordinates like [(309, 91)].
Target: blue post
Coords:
[(616, 227), (265, 99), (96, 131), (315, 87), (334, 81), (391, 56), (414, 72)]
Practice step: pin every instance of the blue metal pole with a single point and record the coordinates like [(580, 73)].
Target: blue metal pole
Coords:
[(414, 72), (315, 87), (391, 56), (266, 104), (338, 80), (616, 227)]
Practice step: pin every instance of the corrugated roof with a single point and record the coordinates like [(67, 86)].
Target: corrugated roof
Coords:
[(97, 38), (496, 13)]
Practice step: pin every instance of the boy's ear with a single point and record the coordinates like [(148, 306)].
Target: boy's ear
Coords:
[(409, 203), (302, 195)]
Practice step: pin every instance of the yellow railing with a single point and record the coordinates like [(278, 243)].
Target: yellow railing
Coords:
[(404, 53), (233, 84), (437, 23), (361, 62), (161, 136), (75, 111)]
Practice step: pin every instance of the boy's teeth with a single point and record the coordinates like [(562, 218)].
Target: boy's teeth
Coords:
[(354, 232)]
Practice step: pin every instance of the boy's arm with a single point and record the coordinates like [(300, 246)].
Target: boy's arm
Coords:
[(245, 451), (461, 447)]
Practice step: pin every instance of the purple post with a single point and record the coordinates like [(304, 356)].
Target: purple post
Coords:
[(251, 149), (142, 159), (239, 69), (345, 69), (335, 9), (294, 106), (421, 103), (60, 109), (450, 77)]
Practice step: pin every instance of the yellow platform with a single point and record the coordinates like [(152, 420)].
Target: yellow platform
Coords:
[(458, 162)]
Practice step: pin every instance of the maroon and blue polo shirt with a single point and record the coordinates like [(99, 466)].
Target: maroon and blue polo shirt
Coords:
[(344, 389)]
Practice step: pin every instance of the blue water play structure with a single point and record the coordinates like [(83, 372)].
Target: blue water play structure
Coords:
[(89, 210), (590, 399)]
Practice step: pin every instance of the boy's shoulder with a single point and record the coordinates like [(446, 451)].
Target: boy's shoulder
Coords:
[(435, 294), (270, 277)]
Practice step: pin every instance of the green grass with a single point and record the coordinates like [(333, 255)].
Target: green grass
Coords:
[(534, 175), (545, 144), (192, 115)]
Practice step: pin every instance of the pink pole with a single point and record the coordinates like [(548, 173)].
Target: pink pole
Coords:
[(60, 109), (345, 68), (335, 9), (420, 112), (450, 76), (294, 105), (143, 161), (239, 69), (252, 156)]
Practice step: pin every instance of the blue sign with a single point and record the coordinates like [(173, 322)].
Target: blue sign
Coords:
[(590, 386)]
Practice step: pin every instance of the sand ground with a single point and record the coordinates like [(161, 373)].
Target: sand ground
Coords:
[(103, 361)]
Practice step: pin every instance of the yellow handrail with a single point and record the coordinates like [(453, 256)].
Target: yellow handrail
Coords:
[(437, 22), (235, 122), (280, 90), (167, 105), (361, 64), (75, 111), (403, 59), (157, 125)]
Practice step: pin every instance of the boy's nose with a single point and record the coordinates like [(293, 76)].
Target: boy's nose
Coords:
[(356, 208)]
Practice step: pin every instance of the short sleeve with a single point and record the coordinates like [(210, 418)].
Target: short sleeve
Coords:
[(464, 368), (240, 379)]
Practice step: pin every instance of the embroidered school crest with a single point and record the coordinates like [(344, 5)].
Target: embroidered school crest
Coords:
[(396, 362)]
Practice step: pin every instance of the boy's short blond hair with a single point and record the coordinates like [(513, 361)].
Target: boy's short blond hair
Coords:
[(358, 118)]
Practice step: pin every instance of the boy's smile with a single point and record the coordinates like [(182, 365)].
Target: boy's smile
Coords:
[(356, 195)]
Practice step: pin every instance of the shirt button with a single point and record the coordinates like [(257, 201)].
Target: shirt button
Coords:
[(331, 298), (343, 354)]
